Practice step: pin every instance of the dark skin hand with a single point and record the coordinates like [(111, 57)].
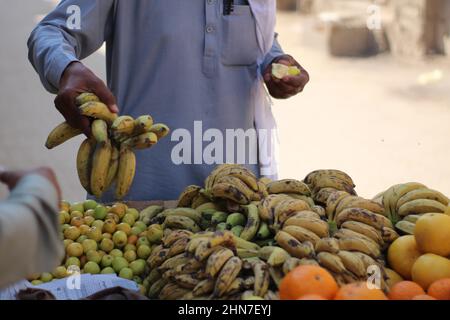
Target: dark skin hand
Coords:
[(75, 80), (288, 86), (12, 178)]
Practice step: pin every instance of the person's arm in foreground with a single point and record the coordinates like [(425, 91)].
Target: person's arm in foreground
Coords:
[(288, 86), (29, 228), (56, 47)]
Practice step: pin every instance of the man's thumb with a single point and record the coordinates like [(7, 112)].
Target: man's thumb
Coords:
[(105, 95)]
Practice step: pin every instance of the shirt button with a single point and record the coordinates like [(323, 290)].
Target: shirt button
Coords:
[(210, 29)]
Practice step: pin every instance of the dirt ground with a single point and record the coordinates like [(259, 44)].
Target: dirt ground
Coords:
[(370, 117)]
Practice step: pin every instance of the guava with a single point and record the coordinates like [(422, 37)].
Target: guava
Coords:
[(72, 233), (46, 277), (144, 251), (76, 214), (62, 217), (64, 205), (129, 247), (95, 234), (98, 224), (120, 239), (116, 253), (77, 206), (119, 263), (36, 282), (133, 212), (60, 272), (84, 229), (88, 245), (130, 255), (73, 261), (100, 212), (125, 227), (74, 249), (107, 270), (126, 273), (113, 216), (89, 213), (107, 235), (106, 261), (88, 220), (89, 204), (119, 209), (140, 225), (155, 233), (135, 231), (132, 239), (67, 242), (143, 241), (129, 219), (77, 221), (138, 267), (64, 227), (106, 245), (81, 238), (109, 226), (91, 267), (93, 256)]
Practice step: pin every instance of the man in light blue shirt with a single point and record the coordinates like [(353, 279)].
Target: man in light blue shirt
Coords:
[(184, 62)]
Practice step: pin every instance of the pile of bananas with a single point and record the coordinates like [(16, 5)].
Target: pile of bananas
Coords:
[(108, 157), (405, 203), (206, 265)]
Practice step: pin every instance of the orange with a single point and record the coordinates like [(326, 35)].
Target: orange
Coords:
[(359, 291), (423, 297), (402, 254), (440, 289), (311, 297), (305, 280), (432, 233), (392, 277), (405, 290), (430, 268)]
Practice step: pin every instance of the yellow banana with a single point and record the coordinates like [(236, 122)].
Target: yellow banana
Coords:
[(422, 193), (123, 125), (185, 212), (181, 222), (60, 134), (323, 194), (126, 172), (262, 278), (252, 224), (243, 244), (292, 245), (326, 181), (359, 244), (143, 141), (319, 210), (262, 189), (98, 110), (358, 202), (290, 264), (365, 230), (227, 275), (333, 201), (100, 167), (99, 130), (288, 186), (317, 226), (330, 245), (158, 256), (187, 196), (304, 214), (352, 263), (301, 234), (311, 177), (267, 205), (413, 217), (84, 163), (229, 191), (287, 207), (178, 247), (86, 97), (399, 191), (389, 234), (405, 227), (242, 173), (199, 200), (331, 262), (421, 206), (172, 291), (387, 195), (216, 260), (113, 167), (203, 287), (237, 183), (347, 233), (142, 124), (187, 281), (174, 236), (209, 181), (275, 256), (365, 216), (173, 262), (160, 129), (156, 287)]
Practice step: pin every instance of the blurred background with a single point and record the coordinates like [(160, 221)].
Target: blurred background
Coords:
[(377, 106)]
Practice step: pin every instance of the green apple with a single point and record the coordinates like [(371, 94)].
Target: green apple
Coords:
[(89, 204), (120, 239), (106, 245), (100, 212), (116, 253), (144, 251), (119, 263), (130, 255), (74, 249), (126, 273), (138, 266), (91, 267)]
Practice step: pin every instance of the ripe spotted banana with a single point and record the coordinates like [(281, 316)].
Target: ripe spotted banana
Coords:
[(311, 177), (267, 205), (365, 216), (123, 125), (352, 263), (174, 236), (181, 222), (142, 124), (333, 201), (98, 110), (292, 245), (365, 230), (173, 262), (241, 173), (156, 287), (275, 256), (288, 186), (160, 129), (317, 226), (421, 206), (347, 233), (178, 247), (290, 264), (399, 191), (143, 141), (326, 181), (158, 256), (217, 260), (86, 97), (126, 172), (286, 208), (389, 234), (237, 183), (84, 163), (113, 167), (187, 196), (330, 245), (99, 129), (100, 166), (229, 191), (319, 210), (203, 287), (331, 262), (172, 291), (304, 214), (422, 193), (227, 275), (358, 202), (323, 194), (60, 134), (301, 234), (359, 244), (187, 281), (253, 222), (262, 278), (406, 227), (185, 212)]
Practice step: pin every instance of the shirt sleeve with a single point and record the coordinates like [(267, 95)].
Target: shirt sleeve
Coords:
[(72, 31), (29, 230), (275, 52)]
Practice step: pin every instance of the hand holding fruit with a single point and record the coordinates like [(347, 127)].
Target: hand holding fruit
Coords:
[(288, 86), (75, 80)]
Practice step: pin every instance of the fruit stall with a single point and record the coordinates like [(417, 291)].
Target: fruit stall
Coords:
[(246, 238)]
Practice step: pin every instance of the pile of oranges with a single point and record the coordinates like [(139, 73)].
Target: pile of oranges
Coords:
[(309, 282)]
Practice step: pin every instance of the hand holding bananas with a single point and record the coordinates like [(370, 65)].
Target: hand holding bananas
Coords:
[(108, 156), (288, 85)]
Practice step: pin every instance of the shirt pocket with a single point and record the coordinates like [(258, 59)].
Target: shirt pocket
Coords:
[(239, 41)]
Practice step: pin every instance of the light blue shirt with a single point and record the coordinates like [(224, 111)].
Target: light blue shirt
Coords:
[(180, 61)]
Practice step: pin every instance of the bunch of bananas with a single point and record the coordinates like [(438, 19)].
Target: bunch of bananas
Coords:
[(206, 265), (406, 203), (108, 156), (324, 182)]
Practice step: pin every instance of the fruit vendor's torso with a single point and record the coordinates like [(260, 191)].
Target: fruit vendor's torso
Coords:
[(182, 61)]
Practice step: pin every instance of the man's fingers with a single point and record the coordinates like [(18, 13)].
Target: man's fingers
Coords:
[(105, 95)]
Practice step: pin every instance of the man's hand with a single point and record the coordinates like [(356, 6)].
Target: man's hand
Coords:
[(288, 86), (75, 80), (12, 178)]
